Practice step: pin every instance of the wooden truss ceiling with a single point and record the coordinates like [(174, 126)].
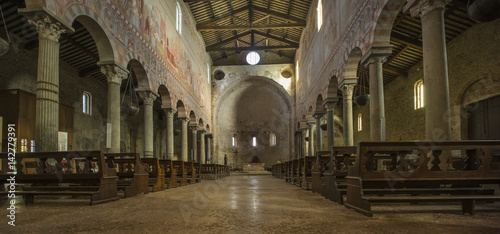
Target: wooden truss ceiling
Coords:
[(406, 36), (230, 27)]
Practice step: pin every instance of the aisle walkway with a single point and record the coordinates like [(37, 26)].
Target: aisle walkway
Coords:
[(241, 204)]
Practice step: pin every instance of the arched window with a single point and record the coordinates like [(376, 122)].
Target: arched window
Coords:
[(419, 94), (360, 122), (178, 18), (235, 140), (272, 139), (254, 141), (319, 15), (87, 103)]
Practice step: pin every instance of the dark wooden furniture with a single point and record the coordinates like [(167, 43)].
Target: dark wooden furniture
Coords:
[(294, 171), (156, 174), (306, 181), (209, 171), (317, 170), (82, 173), (341, 158), (131, 172), (181, 173), (191, 173), (197, 171), (170, 173), (452, 171)]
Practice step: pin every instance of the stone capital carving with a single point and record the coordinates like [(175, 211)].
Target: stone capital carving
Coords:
[(148, 96), (46, 29), (421, 7), (202, 131), (209, 135), (375, 59), (184, 120), (318, 114), (170, 112), (115, 74), (348, 90)]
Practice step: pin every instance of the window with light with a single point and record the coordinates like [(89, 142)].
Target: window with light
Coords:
[(360, 122), (272, 139), (87, 103), (319, 14), (178, 18), (235, 140), (419, 94), (254, 141)]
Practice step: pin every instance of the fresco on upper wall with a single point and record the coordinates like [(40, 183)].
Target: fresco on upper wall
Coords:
[(147, 28), (346, 24)]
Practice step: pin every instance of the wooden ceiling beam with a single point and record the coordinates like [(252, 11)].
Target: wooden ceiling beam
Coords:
[(394, 70), (223, 42), (277, 38), (203, 0), (223, 17), (278, 15), (398, 37), (256, 48), (249, 27)]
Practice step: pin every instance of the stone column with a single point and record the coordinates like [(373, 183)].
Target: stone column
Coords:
[(203, 156), (149, 97), (47, 85), (194, 145), (170, 112), (184, 139), (310, 149), (209, 146), (347, 90), (303, 144), (329, 105), (319, 136), (436, 87), (115, 75), (374, 60)]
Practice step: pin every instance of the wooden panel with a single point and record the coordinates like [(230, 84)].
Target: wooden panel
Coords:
[(66, 123), (483, 120)]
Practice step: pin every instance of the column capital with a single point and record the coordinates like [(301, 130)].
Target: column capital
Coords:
[(419, 8), (348, 90), (147, 95), (330, 103), (318, 114), (115, 74), (46, 28), (170, 112), (377, 53), (202, 131), (209, 135), (185, 120), (193, 127)]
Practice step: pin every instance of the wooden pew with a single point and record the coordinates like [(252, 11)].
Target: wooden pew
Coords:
[(293, 171), (341, 158), (86, 172), (288, 166), (283, 170), (181, 173), (298, 172), (197, 171), (170, 173), (209, 171), (417, 176), (317, 170), (131, 172), (191, 173), (306, 181), (156, 174)]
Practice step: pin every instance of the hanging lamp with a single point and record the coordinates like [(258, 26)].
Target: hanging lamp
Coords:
[(130, 108), (4, 45), (363, 98)]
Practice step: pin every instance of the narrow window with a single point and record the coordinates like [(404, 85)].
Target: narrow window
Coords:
[(360, 122), (319, 14), (208, 73), (272, 139), (235, 140), (178, 18), (254, 141), (32, 146), (297, 71), (419, 94), (87, 103)]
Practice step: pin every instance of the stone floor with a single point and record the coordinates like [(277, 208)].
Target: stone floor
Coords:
[(242, 203)]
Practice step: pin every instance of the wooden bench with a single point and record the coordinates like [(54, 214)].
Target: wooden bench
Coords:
[(307, 165), (156, 174), (288, 165), (197, 171), (341, 158), (209, 171), (170, 173), (181, 173), (298, 172), (82, 173), (191, 174), (451, 171), (318, 167), (294, 171), (131, 172)]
